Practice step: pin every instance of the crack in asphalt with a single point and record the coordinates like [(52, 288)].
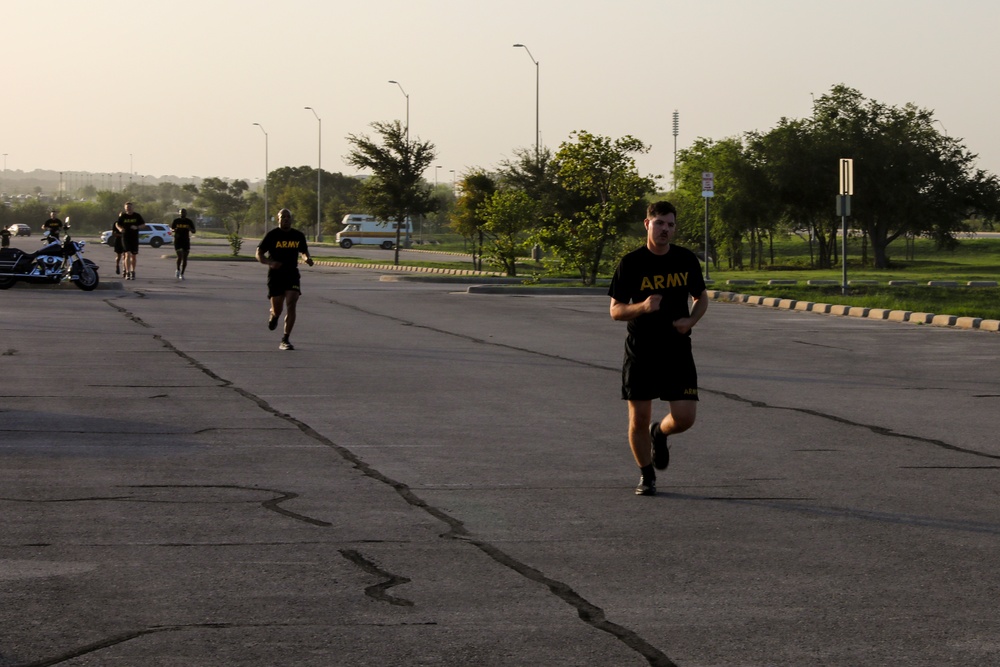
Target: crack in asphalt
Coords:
[(273, 504), (378, 591), (125, 637), (878, 430), (587, 611)]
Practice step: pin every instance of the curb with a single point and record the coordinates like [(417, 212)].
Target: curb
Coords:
[(857, 311), (409, 269)]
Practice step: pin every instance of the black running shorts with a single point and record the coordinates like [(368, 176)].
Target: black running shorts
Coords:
[(281, 281), (669, 376)]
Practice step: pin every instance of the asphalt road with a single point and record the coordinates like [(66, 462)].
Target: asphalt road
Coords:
[(441, 478)]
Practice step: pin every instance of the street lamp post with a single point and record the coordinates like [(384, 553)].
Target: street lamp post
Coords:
[(407, 109), (266, 219), (407, 153), (676, 128), (319, 175), (538, 132)]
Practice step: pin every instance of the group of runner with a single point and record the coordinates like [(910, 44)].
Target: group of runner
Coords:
[(279, 250), (125, 238), (658, 289)]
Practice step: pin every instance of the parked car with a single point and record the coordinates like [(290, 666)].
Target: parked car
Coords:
[(152, 234), (18, 229)]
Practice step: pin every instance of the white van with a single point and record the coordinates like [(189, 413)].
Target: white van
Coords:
[(362, 229)]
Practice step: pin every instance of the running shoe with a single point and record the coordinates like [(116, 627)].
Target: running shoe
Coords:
[(285, 345), (661, 453), (647, 486), (272, 322)]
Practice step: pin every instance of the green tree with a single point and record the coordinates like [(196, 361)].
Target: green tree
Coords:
[(507, 216), (535, 174), (340, 197), (227, 202), (909, 178), (475, 188), (295, 188), (440, 219), (602, 172), (799, 182), (738, 211), (397, 189)]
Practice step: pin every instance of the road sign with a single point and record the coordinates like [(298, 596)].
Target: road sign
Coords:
[(843, 205), (846, 176), (707, 184)]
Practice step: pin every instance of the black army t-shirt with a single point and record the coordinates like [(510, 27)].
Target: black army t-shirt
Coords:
[(675, 276), (284, 246), (130, 223), (182, 228)]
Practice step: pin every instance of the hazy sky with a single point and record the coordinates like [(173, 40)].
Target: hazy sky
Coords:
[(178, 85)]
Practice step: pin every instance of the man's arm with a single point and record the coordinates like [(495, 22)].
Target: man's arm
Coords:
[(624, 312), (698, 308), (305, 251), (264, 260)]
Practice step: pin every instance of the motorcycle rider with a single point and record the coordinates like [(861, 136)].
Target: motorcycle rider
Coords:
[(53, 226)]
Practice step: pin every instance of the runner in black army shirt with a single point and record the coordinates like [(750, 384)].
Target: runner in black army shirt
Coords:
[(280, 249), (650, 291), (183, 228), (128, 224)]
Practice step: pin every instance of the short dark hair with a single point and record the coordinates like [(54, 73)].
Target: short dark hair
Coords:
[(660, 208)]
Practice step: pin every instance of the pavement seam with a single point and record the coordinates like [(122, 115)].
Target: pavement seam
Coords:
[(587, 612), (877, 430)]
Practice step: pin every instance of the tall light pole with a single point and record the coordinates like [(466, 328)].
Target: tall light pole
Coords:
[(319, 174), (538, 132), (266, 218), (436, 175), (4, 172), (407, 109), (676, 128)]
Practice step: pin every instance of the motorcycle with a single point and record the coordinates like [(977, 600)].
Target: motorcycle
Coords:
[(56, 261)]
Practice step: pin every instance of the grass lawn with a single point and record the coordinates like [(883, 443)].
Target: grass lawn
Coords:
[(976, 259)]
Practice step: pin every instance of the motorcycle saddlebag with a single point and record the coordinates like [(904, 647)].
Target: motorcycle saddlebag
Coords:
[(8, 259)]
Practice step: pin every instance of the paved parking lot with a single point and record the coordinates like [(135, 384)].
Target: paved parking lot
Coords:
[(441, 478)]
